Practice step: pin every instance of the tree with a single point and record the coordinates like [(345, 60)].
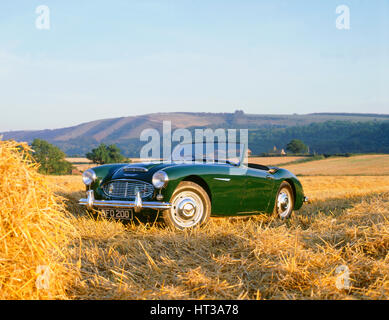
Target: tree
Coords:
[(296, 146), (106, 154), (50, 157)]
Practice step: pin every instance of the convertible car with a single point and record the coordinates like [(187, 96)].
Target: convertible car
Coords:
[(190, 186)]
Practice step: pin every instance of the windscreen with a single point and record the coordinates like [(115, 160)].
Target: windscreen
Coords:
[(231, 153)]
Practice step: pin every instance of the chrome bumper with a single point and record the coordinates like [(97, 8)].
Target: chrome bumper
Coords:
[(137, 205)]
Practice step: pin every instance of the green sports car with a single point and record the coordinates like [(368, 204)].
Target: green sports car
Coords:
[(196, 182)]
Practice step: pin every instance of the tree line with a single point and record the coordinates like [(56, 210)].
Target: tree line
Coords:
[(51, 159)]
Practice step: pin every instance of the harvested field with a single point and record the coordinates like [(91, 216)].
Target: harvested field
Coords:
[(253, 258), (327, 187), (81, 164), (78, 160), (243, 258), (368, 165), (346, 227), (271, 161)]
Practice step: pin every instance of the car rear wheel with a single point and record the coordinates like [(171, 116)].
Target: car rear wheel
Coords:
[(191, 207), (284, 201)]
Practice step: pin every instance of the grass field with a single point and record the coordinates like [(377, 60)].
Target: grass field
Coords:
[(345, 227)]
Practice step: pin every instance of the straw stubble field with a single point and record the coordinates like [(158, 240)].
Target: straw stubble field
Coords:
[(345, 227)]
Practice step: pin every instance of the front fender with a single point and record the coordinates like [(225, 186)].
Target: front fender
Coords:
[(178, 173)]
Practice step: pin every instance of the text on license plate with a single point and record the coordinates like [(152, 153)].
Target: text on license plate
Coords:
[(125, 214)]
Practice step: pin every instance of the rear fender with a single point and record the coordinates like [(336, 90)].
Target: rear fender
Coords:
[(284, 175)]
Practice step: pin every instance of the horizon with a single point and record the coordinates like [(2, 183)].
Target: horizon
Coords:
[(340, 114), (97, 62)]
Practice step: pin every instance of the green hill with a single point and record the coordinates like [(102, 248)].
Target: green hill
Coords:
[(326, 138), (323, 132)]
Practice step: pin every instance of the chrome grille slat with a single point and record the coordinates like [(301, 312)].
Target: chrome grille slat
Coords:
[(128, 189)]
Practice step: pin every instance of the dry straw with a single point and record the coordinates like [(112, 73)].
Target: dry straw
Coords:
[(33, 228), (253, 258)]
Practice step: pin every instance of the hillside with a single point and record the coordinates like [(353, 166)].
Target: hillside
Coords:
[(329, 137), (125, 131)]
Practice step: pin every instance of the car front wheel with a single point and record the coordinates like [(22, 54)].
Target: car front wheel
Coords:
[(191, 207), (284, 201)]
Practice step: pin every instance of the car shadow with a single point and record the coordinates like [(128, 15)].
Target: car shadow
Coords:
[(70, 202)]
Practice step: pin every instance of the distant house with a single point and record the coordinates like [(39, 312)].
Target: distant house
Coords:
[(76, 171), (276, 152)]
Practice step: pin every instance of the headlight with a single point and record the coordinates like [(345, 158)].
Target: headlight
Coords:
[(88, 177), (160, 179)]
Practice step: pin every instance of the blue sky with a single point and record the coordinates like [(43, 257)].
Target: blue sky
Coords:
[(105, 59)]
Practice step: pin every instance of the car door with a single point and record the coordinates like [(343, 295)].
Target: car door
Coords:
[(227, 186), (259, 185)]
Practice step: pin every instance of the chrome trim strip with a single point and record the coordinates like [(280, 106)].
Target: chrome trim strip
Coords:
[(126, 204), (222, 179), (135, 169), (90, 203)]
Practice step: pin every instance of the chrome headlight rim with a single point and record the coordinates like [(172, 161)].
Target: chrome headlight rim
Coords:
[(88, 177), (160, 179)]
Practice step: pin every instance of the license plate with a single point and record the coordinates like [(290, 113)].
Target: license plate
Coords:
[(122, 214)]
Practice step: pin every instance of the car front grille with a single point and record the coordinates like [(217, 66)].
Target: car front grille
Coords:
[(128, 189)]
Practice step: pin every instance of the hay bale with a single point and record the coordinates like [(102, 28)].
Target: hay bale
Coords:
[(33, 228)]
